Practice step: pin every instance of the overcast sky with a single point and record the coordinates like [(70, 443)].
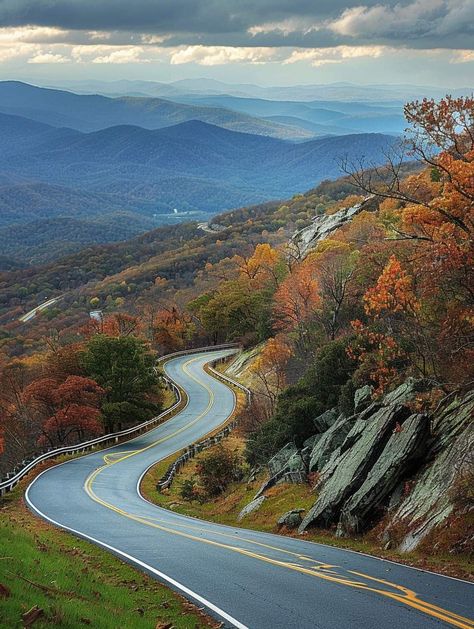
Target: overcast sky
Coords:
[(264, 41)]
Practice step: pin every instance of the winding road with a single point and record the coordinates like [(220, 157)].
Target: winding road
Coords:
[(247, 579)]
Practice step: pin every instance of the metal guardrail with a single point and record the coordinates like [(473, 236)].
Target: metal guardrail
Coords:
[(191, 451), (13, 478)]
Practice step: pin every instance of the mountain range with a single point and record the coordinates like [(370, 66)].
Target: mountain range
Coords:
[(342, 91), (91, 112), (65, 162)]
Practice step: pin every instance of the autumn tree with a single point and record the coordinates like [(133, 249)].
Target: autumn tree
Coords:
[(335, 266), (431, 228), (295, 303), (18, 429), (269, 371), (172, 328), (263, 268), (68, 412)]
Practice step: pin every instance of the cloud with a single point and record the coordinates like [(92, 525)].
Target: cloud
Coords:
[(285, 27), (420, 18), (48, 57), (463, 56), (220, 55), (33, 34), (318, 57), (110, 54), (250, 23), (123, 55)]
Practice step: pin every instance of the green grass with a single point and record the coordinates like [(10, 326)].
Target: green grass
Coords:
[(77, 584)]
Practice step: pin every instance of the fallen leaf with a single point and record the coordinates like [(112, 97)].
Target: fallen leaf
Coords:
[(31, 616), (4, 591)]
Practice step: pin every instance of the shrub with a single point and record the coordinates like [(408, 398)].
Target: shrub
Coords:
[(217, 469), (188, 489)]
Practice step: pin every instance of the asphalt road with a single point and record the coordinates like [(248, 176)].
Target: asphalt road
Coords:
[(247, 579)]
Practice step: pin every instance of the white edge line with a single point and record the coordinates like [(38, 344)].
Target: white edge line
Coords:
[(182, 587), (220, 612)]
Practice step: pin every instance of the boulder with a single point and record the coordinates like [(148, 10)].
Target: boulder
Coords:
[(354, 464), (329, 468), (328, 442), (295, 463), (308, 446), (399, 457), (273, 480), (311, 441), (252, 506), (291, 519), (363, 398), (326, 420), (281, 458)]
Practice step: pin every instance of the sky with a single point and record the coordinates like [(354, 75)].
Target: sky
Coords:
[(270, 42)]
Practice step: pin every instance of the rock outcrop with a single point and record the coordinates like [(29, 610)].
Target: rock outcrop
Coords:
[(354, 463), (404, 450), (366, 463), (252, 506), (322, 226)]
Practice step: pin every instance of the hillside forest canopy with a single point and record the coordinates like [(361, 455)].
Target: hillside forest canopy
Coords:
[(386, 296)]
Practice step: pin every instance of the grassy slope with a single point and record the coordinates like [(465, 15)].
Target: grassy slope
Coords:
[(282, 498), (75, 583)]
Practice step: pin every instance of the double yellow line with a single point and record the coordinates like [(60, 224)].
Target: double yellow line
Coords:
[(318, 569)]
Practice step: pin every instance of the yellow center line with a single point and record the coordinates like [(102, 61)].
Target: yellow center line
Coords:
[(179, 430), (403, 595)]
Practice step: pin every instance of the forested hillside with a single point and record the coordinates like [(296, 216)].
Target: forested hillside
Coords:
[(163, 176), (359, 287)]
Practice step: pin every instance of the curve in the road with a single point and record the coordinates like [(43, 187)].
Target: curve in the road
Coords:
[(247, 578)]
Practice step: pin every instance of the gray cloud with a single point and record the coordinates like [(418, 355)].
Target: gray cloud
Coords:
[(299, 23)]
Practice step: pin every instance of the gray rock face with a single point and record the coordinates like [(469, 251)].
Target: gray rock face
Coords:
[(403, 450), (451, 421), (308, 446), (291, 519), (307, 238), (329, 441), (431, 500), (353, 465), (362, 398), (281, 458), (405, 392), (295, 463), (326, 420), (252, 506)]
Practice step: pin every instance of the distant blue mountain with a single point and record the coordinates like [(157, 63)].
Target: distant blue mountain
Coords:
[(91, 112), (191, 166)]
